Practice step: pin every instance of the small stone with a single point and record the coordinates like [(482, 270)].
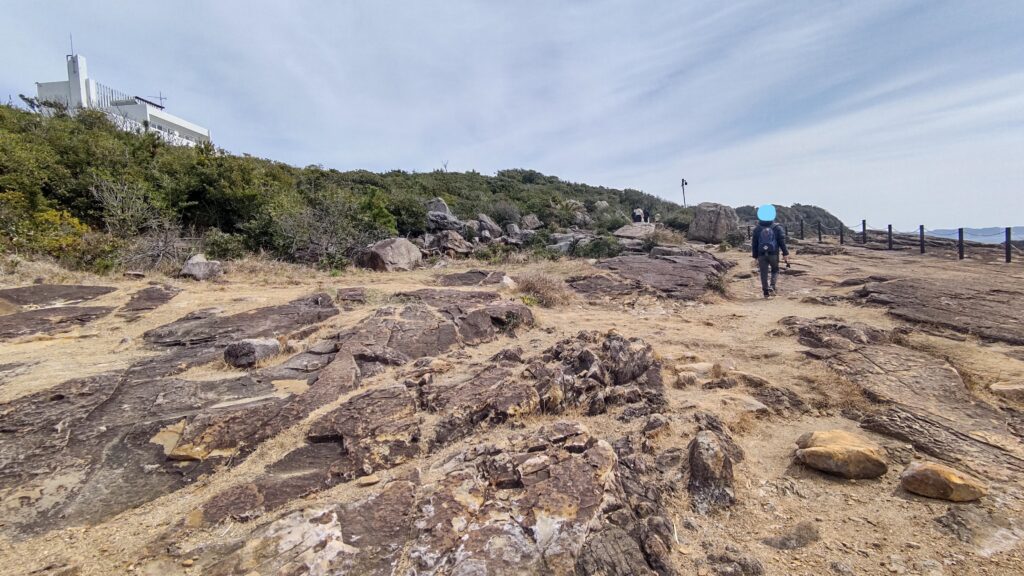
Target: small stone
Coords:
[(188, 562), (841, 453), (368, 480), (942, 482), (686, 380), (656, 424)]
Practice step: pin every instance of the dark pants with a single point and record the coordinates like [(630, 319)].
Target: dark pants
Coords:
[(764, 262)]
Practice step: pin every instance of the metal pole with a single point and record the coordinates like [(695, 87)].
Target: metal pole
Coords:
[(863, 231), (1008, 245), (960, 243), (801, 228), (819, 231), (890, 236), (922, 238), (842, 233)]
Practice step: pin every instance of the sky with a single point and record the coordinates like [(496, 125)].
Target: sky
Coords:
[(898, 112)]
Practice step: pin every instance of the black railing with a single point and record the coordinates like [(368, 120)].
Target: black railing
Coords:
[(922, 234)]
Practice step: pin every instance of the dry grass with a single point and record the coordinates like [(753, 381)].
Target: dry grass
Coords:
[(667, 237), (546, 290), (261, 269), (16, 271)]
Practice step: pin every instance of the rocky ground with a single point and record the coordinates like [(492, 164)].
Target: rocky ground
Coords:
[(666, 420)]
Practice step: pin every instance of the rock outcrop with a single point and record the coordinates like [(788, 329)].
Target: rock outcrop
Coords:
[(712, 223), (926, 402), (146, 300), (531, 505), (635, 230), (530, 222), (440, 217), (246, 353), (451, 243), (488, 224), (992, 314), (681, 277)]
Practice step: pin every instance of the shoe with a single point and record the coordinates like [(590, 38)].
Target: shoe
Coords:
[(767, 295), (771, 293)]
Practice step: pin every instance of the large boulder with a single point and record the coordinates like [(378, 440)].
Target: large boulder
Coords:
[(841, 453), (488, 224), (530, 222), (942, 482), (450, 242), (199, 268), (438, 205), (389, 255), (712, 222), (438, 221)]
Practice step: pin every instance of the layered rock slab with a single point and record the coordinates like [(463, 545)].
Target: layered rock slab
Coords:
[(924, 399), (681, 277), (89, 448), (993, 313)]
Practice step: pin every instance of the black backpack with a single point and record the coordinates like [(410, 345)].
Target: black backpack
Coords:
[(767, 241)]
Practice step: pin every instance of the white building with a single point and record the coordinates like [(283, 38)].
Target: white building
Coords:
[(128, 112)]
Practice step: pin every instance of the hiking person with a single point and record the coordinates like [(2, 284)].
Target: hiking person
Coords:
[(766, 242), (638, 215)]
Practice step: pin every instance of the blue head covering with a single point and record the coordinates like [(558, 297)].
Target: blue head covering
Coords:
[(766, 213)]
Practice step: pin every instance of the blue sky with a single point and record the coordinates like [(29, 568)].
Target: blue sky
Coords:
[(897, 112)]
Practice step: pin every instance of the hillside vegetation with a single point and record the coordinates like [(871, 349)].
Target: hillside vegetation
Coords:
[(82, 191)]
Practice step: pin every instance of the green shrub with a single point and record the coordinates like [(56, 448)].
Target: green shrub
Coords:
[(504, 212), (600, 247), (736, 238), (221, 246), (679, 220)]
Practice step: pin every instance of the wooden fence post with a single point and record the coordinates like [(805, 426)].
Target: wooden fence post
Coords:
[(922, 238), (801, 228), (960, 243), (890, 236), (819, 231), (842, 233), (1008, 245), (863, 231), (748, 232)]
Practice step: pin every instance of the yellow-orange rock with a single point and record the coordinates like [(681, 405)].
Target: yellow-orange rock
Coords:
[(841, 453), (942, 482)]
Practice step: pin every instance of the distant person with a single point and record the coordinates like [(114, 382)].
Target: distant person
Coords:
[(766, 242), (638, 215), (647, 215)]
